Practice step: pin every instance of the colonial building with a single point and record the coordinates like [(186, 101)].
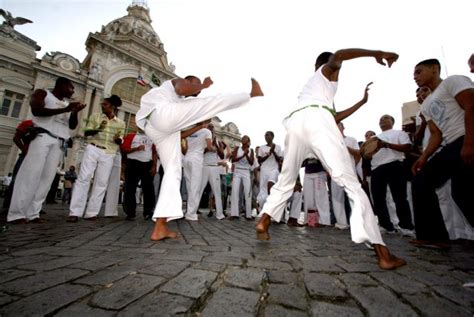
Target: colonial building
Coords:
[(126, 58)]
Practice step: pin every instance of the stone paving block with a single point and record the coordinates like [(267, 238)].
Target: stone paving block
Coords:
[(289, 295), (76, 252), (17, 261), (431, 305), (34, 283), (378, 301), (209, 266), (283, 277), (357, 279), (315, 264), (5, 298), (166, 269), (46, 302), (183, 257), (279, 311), (458, 294), (11, 274), (223, 260), (81, 309), (324, 285), (125, 291), (98, 262), (319, 308), (190, 283), (369, 266), (270, 265), (245, 278), (429, 278), (44, 250), (52, 264), (108, 275), (232, 302), (158, 304), (399, 283)]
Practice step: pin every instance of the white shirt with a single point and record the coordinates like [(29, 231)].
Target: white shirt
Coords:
[(58, 124), (352, 143), (442, 108), (155, 98), (270, 163), (7, 180), (243, 163), (145, 155), (197, 143), (386, 155)]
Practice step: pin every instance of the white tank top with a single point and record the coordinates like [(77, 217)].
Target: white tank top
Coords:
[(58, 124), (318, 91), (243, 163)]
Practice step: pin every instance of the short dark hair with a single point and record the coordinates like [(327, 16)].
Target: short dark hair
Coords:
[(430, 62), (114, 100), (61, 81), (190, 77), (323, 58), (270, 132)]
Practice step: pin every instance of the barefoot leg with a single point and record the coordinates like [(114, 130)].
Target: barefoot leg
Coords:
[(161, 231), (256, 90), (386, 260), (262, 227)]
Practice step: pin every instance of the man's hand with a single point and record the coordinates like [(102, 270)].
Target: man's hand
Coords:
[(366, 92), (75, 106), (207, 82), (389, 57), (467, 154), (141, 147), (418, 165)]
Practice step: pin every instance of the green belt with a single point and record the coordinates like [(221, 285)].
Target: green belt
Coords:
[(332, 111)]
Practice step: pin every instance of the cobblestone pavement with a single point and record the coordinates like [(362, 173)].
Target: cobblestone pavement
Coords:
[(218, 268)]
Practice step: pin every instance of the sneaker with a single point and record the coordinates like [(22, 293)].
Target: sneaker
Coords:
[(210, 214), (191, 218), (383, 230)]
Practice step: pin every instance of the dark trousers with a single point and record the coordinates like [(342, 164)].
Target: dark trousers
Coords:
[(444, 165), (391, 174), (138, 171)]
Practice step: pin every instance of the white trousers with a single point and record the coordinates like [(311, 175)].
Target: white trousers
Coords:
[(98, 164), (266, 176), (164, 126), (241, 176), (314, 131), (316, 196), (113, 188), (192, 172), (296, 202), (212, 175), (338, 206), (35, 177)]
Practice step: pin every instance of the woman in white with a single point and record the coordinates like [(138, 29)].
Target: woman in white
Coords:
[(243, 158)]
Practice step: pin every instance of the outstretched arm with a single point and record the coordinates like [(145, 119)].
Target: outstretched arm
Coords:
[(331, 68), (341, 115)]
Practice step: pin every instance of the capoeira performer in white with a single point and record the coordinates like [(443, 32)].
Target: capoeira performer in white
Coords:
[(211, 171), (269, 157), (193, 163), (163, 113), (311, 129)]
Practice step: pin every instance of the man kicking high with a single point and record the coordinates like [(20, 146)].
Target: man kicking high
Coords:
[(163, 113), (311, 129)]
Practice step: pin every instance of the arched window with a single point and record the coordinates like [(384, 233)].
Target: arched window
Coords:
[(130, 90)]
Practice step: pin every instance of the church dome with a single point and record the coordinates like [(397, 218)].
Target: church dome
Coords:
[(136, 24)]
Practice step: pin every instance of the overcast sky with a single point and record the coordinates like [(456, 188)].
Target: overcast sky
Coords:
[(277, 42)]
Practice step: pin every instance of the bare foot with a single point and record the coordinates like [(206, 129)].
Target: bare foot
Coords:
[(161, 231), (256, 90), (387, 261), (262, 227)]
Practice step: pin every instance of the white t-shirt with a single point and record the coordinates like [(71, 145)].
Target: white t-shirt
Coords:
[(57, 124), (442, 108), (243, 163), (318, 91), (197, 143), (153, 98), (352, 143), (386, 155), (145, 155), (270, 163)]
